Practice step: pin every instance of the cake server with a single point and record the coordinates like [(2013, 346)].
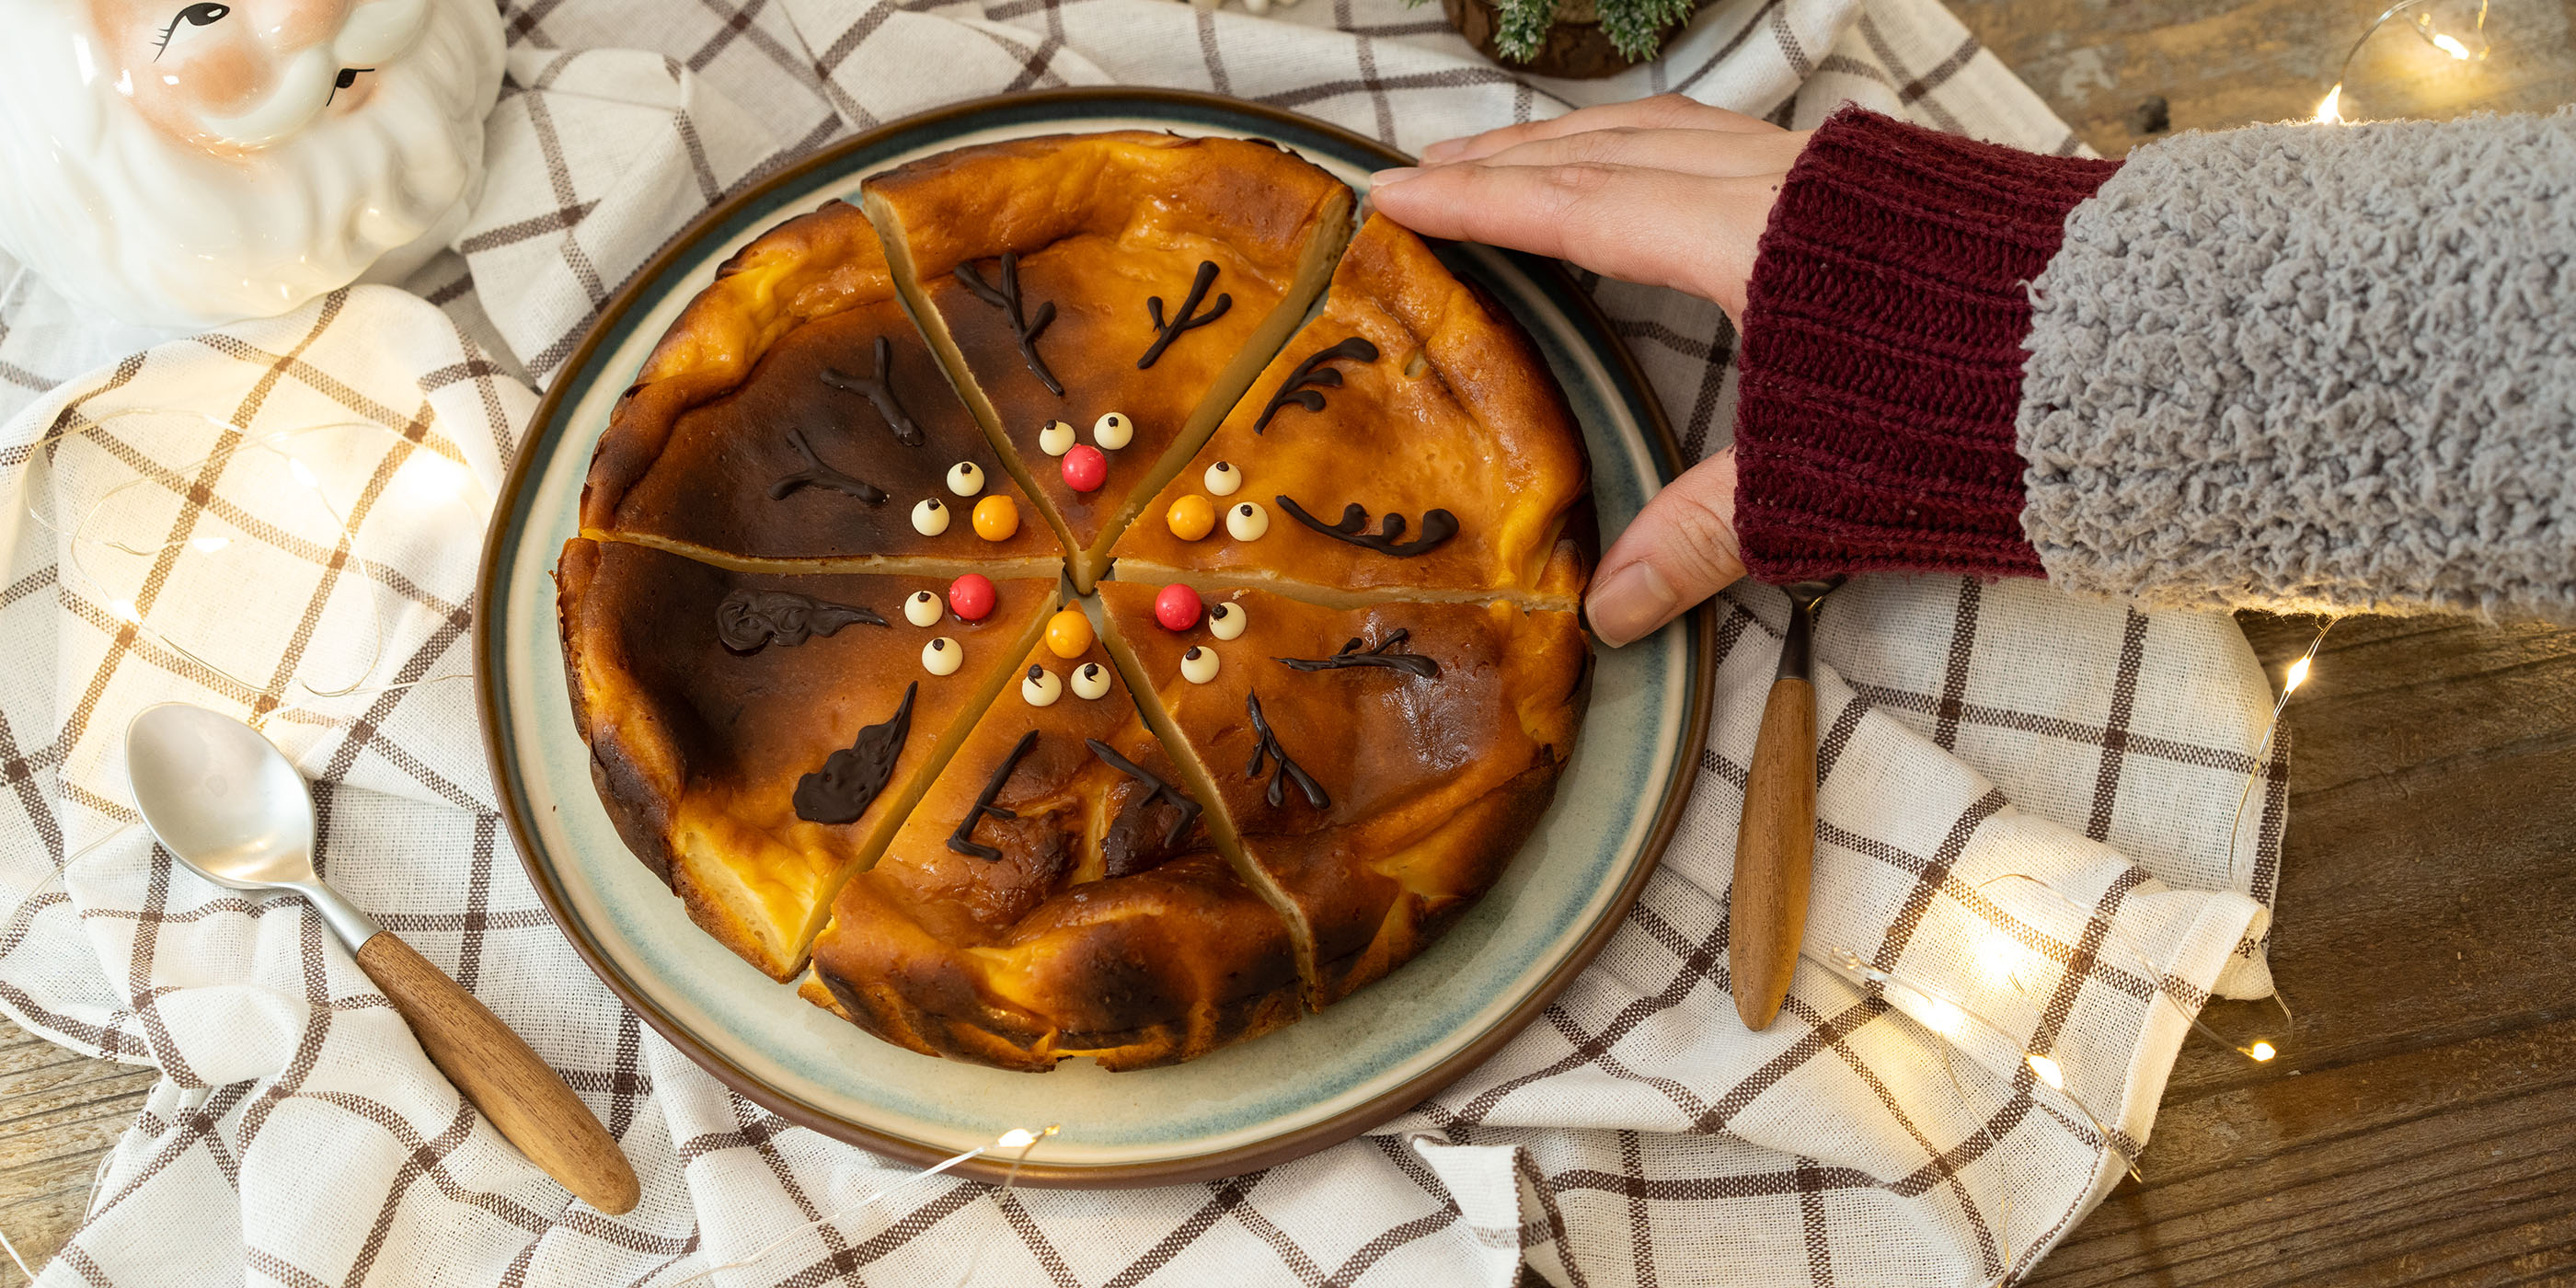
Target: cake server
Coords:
[(1775, 842), (223, 800)]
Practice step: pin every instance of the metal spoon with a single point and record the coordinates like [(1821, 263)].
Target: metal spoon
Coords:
[(227, 804), (1775, 842)]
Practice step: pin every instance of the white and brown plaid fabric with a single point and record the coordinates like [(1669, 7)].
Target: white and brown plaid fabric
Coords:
[(2028, 804)]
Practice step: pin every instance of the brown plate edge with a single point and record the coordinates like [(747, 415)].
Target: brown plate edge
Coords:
[(1702, 623)]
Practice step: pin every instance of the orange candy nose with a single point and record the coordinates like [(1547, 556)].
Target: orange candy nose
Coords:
[(1068, 634), (996, 518), (1191, 517)]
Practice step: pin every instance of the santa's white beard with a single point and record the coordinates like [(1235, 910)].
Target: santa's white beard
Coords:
[(118, 216)]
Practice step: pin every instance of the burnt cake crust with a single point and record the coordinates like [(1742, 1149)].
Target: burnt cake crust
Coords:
[(1024, 882)]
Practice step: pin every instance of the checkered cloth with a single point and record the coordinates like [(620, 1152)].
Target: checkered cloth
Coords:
[(2029, 835)]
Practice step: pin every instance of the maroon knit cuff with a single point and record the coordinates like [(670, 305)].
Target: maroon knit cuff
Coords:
[(1881, 362)]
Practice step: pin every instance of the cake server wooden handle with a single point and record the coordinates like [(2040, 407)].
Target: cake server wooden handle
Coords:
[(1775, 851), (497, 1070)]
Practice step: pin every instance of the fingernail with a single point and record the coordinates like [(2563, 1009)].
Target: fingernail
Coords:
[(1384, 177), (1636, 599), (1443, 150)]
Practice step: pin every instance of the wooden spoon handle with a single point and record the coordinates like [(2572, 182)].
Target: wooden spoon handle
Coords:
[(496, 1070), (1775, 850)]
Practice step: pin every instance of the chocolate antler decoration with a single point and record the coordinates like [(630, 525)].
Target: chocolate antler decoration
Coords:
[(1437, 526), (1120, 853), (1409, 663), (817, 474), (1268, 746), (840, 791), (879, 390), (962, 840), (1313, 372), (748, 619), (1189, 319), (1007, 299)]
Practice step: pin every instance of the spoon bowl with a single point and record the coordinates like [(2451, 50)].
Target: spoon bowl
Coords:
[(220, 797)]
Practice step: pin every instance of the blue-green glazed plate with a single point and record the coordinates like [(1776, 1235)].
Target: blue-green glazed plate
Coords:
[(1321, 1080)]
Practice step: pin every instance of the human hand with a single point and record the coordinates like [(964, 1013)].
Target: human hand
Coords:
[(1663, 191)]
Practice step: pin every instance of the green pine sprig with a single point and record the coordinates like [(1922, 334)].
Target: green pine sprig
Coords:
[(1636, 27)]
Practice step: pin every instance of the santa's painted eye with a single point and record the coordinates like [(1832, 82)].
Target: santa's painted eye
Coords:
[(195, 15)]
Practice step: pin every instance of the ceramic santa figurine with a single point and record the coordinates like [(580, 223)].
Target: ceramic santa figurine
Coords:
[(179, 164)]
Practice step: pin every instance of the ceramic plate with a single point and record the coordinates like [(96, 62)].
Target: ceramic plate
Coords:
[(1319, 1081)]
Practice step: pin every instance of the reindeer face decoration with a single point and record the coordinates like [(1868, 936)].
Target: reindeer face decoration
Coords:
[(184, 164)]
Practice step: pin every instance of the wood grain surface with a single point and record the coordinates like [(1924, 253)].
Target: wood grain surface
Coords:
[(1775, 854), (2420, 1124)]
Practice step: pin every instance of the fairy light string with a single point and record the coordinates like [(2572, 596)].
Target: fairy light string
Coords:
[(2330, 108), (1018, 1142)]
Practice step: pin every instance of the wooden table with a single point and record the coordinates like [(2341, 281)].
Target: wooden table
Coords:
[(2420, 1125)]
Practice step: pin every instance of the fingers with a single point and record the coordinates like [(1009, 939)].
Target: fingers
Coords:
[(1662, 112), (1614, 220), (1680, 550), (1656, 227), (1708, 153)]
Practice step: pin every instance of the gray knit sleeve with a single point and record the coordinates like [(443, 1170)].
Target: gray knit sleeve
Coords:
[(2315, 368)]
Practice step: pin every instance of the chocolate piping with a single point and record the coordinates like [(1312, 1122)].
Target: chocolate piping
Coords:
[(962, 840), (1269, 746), (1307, 373), (1189, 319), (1437, 526), (1157, 789), (817, 474), (1410, 663), (748, 619), (849, 780), (879, 390), (1007, 299)]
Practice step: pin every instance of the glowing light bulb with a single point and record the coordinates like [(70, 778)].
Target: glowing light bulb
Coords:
[(303, 473), (1017, 1138), (1997, 955), (2048, 1071), (2297, 676), (2261, 1051), (125, 612), (2330, 111), (208, 545), (1943, 1017), (2451, 46), (427, 479)]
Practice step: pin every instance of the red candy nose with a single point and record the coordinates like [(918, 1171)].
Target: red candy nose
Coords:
[(1085, 469), (1177, 608), (971, 597)]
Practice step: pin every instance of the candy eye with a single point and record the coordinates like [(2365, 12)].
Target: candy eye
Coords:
[(195, 15)]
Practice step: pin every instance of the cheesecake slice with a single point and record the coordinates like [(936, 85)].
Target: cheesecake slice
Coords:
[(1056, 895), (1408, 443), (1101, 300), (1371, 769), (757, 737)]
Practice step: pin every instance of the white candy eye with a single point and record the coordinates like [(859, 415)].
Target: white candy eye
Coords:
[(1246, 520), (1198, 666), (1056, 439), (930, 518), (942, 656), (1222, 478), (923, 609), (1090, 681), (1226, 621), (1112, 431), (965, 478), (1040, 687)]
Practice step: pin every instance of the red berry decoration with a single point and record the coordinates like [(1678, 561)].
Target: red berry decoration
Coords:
[(971, 597), (1177, 608), (1085, 469)]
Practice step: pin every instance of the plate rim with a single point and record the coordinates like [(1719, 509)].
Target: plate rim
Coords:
[(1270, 1151)]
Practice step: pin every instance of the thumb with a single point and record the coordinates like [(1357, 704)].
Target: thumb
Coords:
[(1680, 550)]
